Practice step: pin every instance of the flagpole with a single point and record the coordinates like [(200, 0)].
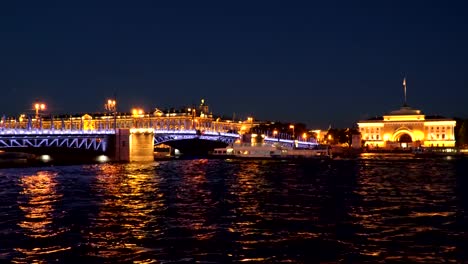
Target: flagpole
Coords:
[(404, 89)]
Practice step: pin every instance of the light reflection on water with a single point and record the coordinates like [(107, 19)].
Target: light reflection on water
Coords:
[(37, 201), (406, 213), (129, 202), (383, 209)]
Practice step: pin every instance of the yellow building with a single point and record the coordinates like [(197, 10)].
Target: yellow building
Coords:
[(406, 128)]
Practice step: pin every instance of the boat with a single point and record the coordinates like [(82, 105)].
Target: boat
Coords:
[(270, 151), (15, 158), (438, 152)]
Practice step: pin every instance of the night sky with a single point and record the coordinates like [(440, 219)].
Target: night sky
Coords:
[(316, 62)]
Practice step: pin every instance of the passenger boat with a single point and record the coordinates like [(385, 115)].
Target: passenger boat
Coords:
[(270, 151), (438, 152)]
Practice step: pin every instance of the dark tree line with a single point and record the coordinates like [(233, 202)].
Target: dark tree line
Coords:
[(341, 135), (283, 128), (461, 132)]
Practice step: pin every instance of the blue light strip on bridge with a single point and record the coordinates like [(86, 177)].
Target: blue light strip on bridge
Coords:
[(54, 132), (105, 132)]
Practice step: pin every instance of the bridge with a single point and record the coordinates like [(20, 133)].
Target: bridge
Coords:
[(134, 135)]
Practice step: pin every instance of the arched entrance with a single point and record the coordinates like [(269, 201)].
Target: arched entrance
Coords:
[(405, 140)]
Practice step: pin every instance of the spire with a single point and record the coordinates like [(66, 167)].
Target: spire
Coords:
[(404, 90)]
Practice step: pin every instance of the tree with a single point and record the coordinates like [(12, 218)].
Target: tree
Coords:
[(461, 133), (341, 136)]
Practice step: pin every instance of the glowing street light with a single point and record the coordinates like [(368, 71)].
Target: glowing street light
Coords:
[(39, 106), (137, 112), (111, 106), (292, 127), (275, 134), (304, 136)]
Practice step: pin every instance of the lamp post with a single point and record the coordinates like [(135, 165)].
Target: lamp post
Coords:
[(275, 134), (39, 107), (293, 136), (137, 112), (111, 106), (292, 127), (194, 120)]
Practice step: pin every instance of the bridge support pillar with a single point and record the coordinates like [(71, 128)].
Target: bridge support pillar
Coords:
[(134, 145), (122, 145), (142, 144)]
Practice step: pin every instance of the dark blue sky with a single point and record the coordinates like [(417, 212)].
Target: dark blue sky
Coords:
[(320, 63)]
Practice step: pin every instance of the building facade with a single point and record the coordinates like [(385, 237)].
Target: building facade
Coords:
[(407, 128)]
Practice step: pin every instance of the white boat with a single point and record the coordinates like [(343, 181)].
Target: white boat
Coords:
[(270, 151), (438, 152)]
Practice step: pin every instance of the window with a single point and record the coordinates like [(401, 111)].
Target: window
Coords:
[(377, 137), (443, 136)]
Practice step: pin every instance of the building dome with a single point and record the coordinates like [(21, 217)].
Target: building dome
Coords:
[(406, 110)]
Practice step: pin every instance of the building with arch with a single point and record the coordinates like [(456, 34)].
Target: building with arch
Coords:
[(407, 128)]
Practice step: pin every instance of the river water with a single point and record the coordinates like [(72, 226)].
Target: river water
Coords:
[(376, 209)]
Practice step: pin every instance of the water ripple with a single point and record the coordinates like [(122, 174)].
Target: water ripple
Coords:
[(378, 209)]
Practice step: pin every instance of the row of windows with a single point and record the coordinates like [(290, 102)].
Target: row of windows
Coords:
[(366, 130), (437, 128), (377, 137), (427, 128), (438, 136)]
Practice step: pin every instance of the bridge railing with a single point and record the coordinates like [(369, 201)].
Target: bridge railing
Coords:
[(55, 132), (88, 122)]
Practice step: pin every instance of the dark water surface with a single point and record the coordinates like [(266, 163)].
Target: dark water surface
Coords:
[(378, 209)]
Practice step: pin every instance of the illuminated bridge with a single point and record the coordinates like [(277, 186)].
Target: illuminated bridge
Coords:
[(128, 134)]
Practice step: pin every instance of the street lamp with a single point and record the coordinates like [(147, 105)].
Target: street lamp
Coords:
[(304, 136), (275, 134), (111, 106), (293, 136), (137, 112), (39, 107), (194, 120), (292, 127)]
